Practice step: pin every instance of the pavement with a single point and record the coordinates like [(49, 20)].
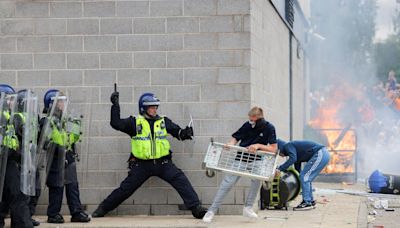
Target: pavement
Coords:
[(332, 210)]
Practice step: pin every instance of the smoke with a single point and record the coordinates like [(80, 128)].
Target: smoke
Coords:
[(343, 77)]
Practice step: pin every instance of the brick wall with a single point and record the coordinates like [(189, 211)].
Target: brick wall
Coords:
[(196, 55)]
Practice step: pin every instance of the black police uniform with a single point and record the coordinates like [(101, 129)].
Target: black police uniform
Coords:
[(141, 170), (71, 185), (13, 199), (33, 200)]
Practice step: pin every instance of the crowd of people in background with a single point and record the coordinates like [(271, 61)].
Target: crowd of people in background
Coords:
[(360, 104)]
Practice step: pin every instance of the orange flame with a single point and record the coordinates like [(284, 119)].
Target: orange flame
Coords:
[(341, 145)]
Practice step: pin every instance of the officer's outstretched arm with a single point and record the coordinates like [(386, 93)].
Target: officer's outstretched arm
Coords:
[(127, 125), (176, 131)]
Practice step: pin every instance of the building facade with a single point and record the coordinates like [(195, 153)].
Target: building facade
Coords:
[(212, 59)]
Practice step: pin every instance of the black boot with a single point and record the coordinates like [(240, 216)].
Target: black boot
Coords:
[(99, 212), (199, 211), (81, 217), (35, 223), (55, 219), (3, 214)]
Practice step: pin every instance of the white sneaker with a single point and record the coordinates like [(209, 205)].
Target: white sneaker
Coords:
[(208, 217), (249, 213)]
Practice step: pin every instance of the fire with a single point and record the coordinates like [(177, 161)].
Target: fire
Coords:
[(340, 137), (342, 154)]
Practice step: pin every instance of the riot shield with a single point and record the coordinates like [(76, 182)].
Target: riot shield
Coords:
[(74, 129), (78, 126), (52, 142), (7, 132), (4, 116), (29, 144)]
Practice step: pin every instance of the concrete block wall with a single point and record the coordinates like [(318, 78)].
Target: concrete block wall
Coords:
[(212, 59), (300, 89), (270, 64)]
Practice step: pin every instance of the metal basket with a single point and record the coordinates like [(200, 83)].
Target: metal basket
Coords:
[(239, 161)]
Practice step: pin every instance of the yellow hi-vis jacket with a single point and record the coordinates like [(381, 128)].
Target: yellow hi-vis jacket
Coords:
[(146, 146), (10, 139)]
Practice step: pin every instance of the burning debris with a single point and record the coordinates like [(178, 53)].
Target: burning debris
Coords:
[(358, 125), (328, 123)]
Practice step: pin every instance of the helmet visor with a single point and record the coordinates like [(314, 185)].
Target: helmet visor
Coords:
[(151, 103)]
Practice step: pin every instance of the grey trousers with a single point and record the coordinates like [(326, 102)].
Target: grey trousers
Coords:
[(226, 185)]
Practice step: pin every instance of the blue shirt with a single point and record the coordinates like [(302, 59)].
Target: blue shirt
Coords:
[(298, 151)]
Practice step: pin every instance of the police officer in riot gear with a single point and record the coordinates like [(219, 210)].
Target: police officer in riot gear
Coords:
[(13, 198), (60, 140), (150, 154)]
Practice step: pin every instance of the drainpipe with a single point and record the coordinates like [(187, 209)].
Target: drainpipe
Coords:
[(290, 86), (289, 15)]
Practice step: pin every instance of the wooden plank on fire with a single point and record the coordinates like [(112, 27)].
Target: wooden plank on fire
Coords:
[(341, 136)]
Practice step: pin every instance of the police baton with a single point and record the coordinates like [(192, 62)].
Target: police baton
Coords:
[(191, 124)]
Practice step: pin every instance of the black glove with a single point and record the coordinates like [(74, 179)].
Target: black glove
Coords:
[(186, 133), (70, 156), (115, 98), (131, 162)]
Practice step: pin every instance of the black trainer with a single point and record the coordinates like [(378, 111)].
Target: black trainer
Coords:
[(81, 217), (35, 222), (303, 206), (312, 203), (55, 219), (199, 211), (99, 212)]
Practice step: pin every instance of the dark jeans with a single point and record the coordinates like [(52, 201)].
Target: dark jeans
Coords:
[(143, 170)]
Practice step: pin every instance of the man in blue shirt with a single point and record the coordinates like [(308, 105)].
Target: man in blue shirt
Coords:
[(255, 134), (316, 156)]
